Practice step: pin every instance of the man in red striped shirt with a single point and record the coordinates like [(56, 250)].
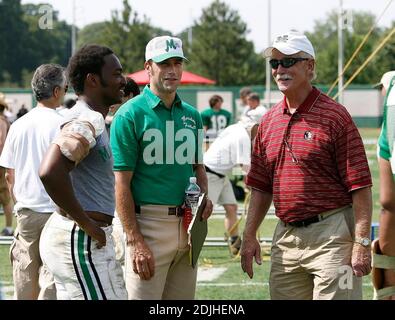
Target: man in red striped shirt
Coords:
[(309, 159)]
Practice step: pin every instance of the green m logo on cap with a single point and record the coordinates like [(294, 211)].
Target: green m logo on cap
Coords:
[(170, 44)]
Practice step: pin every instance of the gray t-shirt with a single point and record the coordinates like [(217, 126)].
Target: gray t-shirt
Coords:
[(93, 178)]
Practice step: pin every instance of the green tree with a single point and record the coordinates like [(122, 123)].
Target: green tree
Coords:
[(25, 45), (385, 59), (325, 41), (220, 50), (126, 34), (52, 45), (12, 36), (92, 33)]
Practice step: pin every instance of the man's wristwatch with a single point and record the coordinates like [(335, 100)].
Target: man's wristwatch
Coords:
[(365, 242)]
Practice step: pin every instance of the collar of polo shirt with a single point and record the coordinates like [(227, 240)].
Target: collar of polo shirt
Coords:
[(153, 100), (307, 104)]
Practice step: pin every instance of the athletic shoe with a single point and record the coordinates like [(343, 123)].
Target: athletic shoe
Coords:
[(235, 246)]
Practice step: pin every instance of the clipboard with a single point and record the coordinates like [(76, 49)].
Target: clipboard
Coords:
[(197, 232)]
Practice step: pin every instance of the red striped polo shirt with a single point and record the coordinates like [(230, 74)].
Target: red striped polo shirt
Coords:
[(309, 160)]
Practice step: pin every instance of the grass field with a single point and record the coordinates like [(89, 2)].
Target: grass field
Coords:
[(232, 283)]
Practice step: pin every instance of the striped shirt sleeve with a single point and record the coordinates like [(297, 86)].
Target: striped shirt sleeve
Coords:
[(259, 176), (351, 158)]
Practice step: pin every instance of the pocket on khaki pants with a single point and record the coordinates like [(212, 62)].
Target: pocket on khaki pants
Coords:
[(11, 253)]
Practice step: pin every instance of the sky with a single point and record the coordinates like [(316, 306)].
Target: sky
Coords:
[(177, 15)]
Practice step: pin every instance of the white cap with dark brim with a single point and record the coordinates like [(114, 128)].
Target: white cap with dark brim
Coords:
[(162, 48), (386, 80), (291, 43)]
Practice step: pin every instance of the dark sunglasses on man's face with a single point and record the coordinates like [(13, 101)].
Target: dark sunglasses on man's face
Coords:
[(286, 62)]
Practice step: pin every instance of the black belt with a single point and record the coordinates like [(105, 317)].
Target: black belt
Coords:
[(303, 223), (172, 211), (213, 172), (317, 218)]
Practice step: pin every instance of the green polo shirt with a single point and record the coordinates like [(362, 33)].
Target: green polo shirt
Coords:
[(387, 129), (217, 120), (159, 145)]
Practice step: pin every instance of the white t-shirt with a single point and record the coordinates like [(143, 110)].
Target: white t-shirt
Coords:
[(259, 109), (62, 111), (27, 141), (245, 110), (231, 148)]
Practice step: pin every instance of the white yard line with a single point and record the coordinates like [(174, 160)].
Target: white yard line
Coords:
[(233, 284), (218, 216), (209, 274), (246, 284), (7, 292)]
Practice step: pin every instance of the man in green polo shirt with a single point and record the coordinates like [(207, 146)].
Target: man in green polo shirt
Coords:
[(156, 140), (383, 271), (215, 119)]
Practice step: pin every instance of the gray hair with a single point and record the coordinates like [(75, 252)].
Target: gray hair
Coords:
[(46, 78), (303, 54)]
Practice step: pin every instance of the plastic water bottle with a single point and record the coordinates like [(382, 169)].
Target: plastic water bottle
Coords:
[(192, 193)]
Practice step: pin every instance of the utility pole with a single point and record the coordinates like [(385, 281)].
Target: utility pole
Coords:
[(340, 25), (73, 35), (268, 68)]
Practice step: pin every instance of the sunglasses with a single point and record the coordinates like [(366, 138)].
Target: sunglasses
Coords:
[(286, 62)]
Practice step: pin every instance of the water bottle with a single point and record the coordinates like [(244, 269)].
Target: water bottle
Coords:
[(192, 193)]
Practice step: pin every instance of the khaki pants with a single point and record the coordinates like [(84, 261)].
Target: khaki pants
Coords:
[(32, 280), (314, 262), (220, 190), (174, 278), (5, 196)]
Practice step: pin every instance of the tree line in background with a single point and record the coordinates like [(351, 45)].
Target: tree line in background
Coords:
[(216, 44)]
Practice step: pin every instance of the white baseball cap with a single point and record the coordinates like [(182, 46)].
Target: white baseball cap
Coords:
[(162, 48), (386, 79), (290, 43)]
